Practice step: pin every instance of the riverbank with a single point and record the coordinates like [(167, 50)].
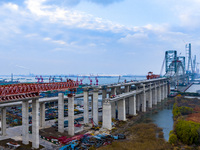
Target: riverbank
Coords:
[(186, 113), (141, 133)]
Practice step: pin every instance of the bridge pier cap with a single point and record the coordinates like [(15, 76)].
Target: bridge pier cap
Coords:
[(85, 89)]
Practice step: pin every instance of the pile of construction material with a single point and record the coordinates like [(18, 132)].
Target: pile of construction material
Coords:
[(87, 140)]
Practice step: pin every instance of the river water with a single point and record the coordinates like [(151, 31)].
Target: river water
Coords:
[(162, 116), (164, 119)]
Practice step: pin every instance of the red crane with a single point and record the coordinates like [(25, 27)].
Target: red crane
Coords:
[(38, 79), (90, 80), (29, 90), (81, 81), (97, 81), (41, 79)]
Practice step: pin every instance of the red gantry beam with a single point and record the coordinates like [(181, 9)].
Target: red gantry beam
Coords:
[(29, 90)]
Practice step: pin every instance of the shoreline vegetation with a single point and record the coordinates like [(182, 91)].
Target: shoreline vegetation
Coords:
[(186, 115), (141, 133)]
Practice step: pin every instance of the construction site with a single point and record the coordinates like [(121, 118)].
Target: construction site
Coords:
[(72, 115)]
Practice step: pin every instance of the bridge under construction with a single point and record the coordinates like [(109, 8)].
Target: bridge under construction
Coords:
[(123, 98)]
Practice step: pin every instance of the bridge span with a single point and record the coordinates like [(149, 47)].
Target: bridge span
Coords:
[(123, 99)]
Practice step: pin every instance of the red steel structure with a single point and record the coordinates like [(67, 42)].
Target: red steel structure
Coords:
[(31, 90), (152, 76)]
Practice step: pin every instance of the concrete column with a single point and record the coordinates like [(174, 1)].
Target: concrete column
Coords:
[(61, 112), (156, 95), (104, 95), (86, 106), (144, 99), (92, 104), (147, 99), (25, 123), (113, 91), (113, 107), (166, 90), (42, 115), (118, 91), (71, 115), (132, 104), (153, 96), (150, 96), (121, 110), (95, 106), (127, 89), (127, 105), (163, 91), (3, 121), (159, 92), (35, 123), (138, 102), (107, 119)]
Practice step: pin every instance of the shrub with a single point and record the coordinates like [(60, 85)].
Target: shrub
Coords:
[(183, 110), (187, 131), (173, 139)]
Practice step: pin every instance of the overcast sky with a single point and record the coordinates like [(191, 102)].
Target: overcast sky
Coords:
[(94, 36)]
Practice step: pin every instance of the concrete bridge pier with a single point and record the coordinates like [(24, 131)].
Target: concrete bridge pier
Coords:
[(150, 96), (156, 95), (153, 96), (25, 123), (113, 111), (127, 88), (95, 106), (147, 99), (42, 115), (86, 105), (163, 91), (121, 110), (107, 119), (159, 92), (92, 105), (166, 89), (61, 112), (138, 102), (3, 121), (127, 105), (144, 99), (71, 115), (35, 123), (104, 95), (118, 90), (113, 91), (132, 105)]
